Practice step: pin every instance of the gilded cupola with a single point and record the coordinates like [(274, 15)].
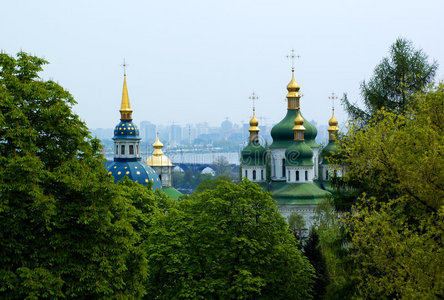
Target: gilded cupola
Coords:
[(158, 159), (299, 128), (293, 95)]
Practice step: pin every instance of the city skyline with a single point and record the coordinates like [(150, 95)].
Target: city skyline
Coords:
[(198, 61)]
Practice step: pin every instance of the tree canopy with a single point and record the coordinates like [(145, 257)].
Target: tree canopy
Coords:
[(67, 230), (226, 243), (405, 72), (396, 225)]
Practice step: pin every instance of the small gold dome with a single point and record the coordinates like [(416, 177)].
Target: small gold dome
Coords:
[(158, 159), (293, 86), (254, 121), (298, 122), (333, 124)]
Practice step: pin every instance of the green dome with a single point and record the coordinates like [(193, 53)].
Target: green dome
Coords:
[(283, 135), (299, 154), (327, 151), (253, 155)]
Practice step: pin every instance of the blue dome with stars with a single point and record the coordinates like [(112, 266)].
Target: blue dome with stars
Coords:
[(126, 129), (137, 171)]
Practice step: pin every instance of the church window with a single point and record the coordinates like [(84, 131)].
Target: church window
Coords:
[(283, 167), (122, 150), (306, 175), (254, 174), (297, 175), (246, 173), (262, 174), (289, 176), (117, 149), (131, 149)]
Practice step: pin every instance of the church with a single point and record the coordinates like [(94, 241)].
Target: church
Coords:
[(156, 171), (293, 169)]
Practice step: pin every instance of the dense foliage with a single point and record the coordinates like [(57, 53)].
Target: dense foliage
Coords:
[(226, 243), (396, 227), (66, 229)]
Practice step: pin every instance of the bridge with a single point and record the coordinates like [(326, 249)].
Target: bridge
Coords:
[(201, 167)]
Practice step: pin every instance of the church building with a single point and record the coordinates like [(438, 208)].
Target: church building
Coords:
[(299, 173), (127, 156)]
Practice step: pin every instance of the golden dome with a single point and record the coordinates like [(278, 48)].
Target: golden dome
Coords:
[(293, 86), (298, 122), (333, 124), (158, 159), (253, 124)]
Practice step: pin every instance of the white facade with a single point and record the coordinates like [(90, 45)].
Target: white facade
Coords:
[(165, 174), (316, 152), (299, 174), (307, 211), (254, 173), (277, 164), (327, 172)]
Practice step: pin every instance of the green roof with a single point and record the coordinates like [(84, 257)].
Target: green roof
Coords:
[(172, 192), (297, 193), (253, 155), (327, 151), (299, 154), (283, 135)]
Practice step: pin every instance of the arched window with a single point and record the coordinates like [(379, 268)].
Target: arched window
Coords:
[(131, 149), (117, 149), (283, 167), (289, 176), (262, 174), (246, 173), (297, 175), (122, 150), (254, 174), (306, 175)]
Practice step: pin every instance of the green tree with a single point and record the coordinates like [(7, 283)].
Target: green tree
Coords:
[(211, 183), (396, 226), (67, 230), (296, 223), (226, 243), (405, 72), (313, 252)]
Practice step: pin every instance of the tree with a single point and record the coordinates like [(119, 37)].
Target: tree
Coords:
[(211, 183), (226, 243), (396, 225), (67, 230), (313, 252), (405, 72), (296, 223), (222, 167)]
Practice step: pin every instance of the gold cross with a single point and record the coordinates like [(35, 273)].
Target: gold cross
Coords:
[(333, 97), (292, 56), (124, 65), (253, 97)]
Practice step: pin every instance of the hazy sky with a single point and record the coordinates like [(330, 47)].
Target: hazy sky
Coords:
[(195, 61)]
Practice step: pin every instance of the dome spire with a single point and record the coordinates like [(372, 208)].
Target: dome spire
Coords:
[(299, 128), (125, 108), (333, 123), (254, 130), (293, 87), (157, 146)]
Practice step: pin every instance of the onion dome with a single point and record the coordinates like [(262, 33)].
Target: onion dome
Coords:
[(299, 153), (331, 147), (137, 171), (158, 159), (253, 154), (282, 132)]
